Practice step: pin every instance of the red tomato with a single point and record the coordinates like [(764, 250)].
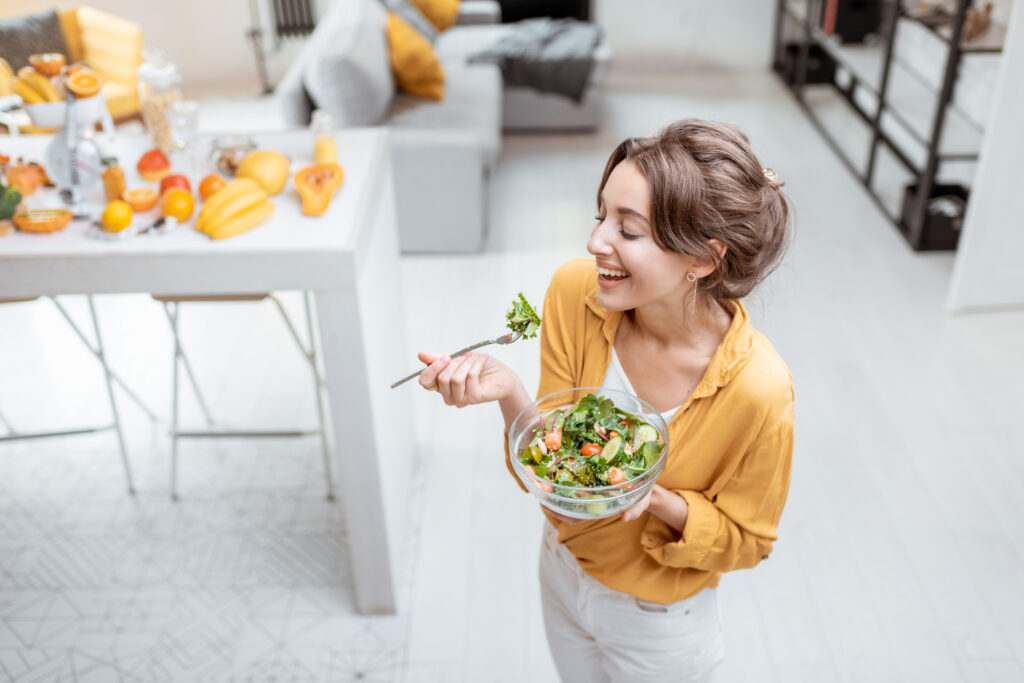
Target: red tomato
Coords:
[(616, 476), (553, 439), (612, 434), (590, 449)]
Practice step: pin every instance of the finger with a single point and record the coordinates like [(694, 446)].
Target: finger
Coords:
[(458, 380), (473, 375), (428, 378), (444, 380), (427, 357)]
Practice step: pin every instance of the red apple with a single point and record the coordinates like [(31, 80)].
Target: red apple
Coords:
[(175, 180)]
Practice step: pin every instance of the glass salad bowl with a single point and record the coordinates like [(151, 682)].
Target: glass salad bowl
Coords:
[(588, 452)]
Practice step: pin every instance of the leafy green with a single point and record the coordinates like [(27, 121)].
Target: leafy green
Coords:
[(590, 421), (523, 318), (9, 198)]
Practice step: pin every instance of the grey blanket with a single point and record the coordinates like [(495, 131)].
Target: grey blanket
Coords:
[(550, 55)]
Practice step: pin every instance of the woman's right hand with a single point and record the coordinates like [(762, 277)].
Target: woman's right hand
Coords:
[(467, 379)]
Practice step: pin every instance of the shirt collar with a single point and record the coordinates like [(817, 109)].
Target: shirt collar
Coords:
[(729, 358)]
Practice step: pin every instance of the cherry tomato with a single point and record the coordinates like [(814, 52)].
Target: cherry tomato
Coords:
[(590, 449), (553, 439), (616, 476)]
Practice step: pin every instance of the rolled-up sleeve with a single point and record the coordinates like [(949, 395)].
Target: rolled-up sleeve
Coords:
[(735, 527)]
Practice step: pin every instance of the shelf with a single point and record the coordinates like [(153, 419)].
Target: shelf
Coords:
[(991, 41), (910, 99)]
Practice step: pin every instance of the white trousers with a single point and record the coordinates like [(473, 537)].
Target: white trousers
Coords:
[(599, 634)]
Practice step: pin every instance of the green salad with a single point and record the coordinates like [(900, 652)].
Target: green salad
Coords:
[(523, 318), (593, 443)]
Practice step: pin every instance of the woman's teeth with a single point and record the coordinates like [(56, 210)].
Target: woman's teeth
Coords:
[(614, 274)]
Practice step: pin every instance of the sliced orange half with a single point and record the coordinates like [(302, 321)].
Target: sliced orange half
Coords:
[(47, 63), (84, 83), (140, 199)]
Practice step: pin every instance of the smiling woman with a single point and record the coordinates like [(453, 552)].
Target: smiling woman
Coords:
[(688, 223)]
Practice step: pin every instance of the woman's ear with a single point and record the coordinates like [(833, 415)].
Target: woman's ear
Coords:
[(704, 268)]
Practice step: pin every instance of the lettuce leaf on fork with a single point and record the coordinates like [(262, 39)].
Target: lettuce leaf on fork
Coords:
[(523, 318)]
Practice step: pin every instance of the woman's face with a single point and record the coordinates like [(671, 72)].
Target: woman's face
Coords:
[(633, 271)]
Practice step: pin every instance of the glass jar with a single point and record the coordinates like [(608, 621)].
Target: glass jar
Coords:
[(159, 86), (325, 146)]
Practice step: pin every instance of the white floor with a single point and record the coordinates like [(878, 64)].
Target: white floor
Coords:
[(900, 558)]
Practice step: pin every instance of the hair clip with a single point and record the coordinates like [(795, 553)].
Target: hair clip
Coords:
[(773, 177)]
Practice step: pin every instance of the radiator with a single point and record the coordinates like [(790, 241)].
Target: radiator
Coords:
[(293, 18)]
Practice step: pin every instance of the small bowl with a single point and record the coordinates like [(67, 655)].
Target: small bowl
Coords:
[(53, 114), (582, 502), (227, 152)]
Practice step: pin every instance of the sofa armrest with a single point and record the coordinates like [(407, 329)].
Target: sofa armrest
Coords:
[(474, 12)]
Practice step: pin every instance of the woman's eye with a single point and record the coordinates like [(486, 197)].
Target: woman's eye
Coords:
[(598, 219), (628, 235)]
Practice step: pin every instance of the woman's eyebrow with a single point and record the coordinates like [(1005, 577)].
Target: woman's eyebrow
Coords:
[(625, 210)]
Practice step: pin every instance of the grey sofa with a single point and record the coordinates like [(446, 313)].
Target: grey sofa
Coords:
[(442, 152)]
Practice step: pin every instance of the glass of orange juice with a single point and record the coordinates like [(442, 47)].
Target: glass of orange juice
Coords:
[(325, 146)]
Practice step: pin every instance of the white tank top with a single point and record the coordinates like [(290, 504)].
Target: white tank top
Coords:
[(615, 378)]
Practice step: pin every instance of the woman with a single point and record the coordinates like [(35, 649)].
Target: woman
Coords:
[(688, 224)]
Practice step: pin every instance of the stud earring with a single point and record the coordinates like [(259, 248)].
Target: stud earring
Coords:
[(691, 277)]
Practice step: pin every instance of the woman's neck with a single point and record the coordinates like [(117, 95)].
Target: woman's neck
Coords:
[(699, 327)]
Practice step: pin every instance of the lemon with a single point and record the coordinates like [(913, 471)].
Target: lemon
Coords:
[(117, 216)]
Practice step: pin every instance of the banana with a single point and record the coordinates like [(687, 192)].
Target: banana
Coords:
[(228, 194), (6, 78), (237, 202), (29, 95), (39, 83), (246, 220)]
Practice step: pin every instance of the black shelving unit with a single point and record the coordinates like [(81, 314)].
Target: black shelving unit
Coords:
[(932, 210)]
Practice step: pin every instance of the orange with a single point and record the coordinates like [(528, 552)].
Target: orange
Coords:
[(209, 185), (47, 63), (117, 216), (177, 203), (84, 83), (140, 199)]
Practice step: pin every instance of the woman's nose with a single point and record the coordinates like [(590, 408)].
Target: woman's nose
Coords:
[(596, 244)]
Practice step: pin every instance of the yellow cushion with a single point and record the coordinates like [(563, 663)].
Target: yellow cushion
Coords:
[(110, 45), (417, 69), (440, 13), (122, 100)]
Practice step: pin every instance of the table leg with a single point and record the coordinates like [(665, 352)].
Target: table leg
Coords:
[(362, 342)]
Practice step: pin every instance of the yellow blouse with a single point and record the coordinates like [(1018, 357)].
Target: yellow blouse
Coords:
[(730, 449)]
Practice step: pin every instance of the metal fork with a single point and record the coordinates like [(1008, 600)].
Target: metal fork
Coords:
[(503, 339)]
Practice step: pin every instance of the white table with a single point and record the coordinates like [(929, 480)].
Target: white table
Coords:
[(348, 258)]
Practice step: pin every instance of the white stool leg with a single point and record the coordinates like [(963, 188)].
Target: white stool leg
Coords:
[(110, 395), (188, 366), (113, 375), (174, 406), (317, 384)]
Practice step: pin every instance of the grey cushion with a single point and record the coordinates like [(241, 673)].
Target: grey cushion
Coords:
[(30, 34), (472, 102), (414, 18), (348, 73)]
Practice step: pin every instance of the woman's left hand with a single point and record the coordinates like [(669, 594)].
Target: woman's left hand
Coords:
[(663, 504), (640, 507)]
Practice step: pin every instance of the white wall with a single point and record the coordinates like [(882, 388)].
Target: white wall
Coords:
[(205, 38), (683, 33)]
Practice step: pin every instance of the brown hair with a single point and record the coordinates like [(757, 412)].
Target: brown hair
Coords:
[(705, 183)]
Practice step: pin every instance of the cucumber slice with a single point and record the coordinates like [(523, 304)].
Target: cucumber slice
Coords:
[(645, 433), (611, 449)]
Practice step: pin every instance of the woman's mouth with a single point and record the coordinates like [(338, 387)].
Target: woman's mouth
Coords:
[(611, 274)]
